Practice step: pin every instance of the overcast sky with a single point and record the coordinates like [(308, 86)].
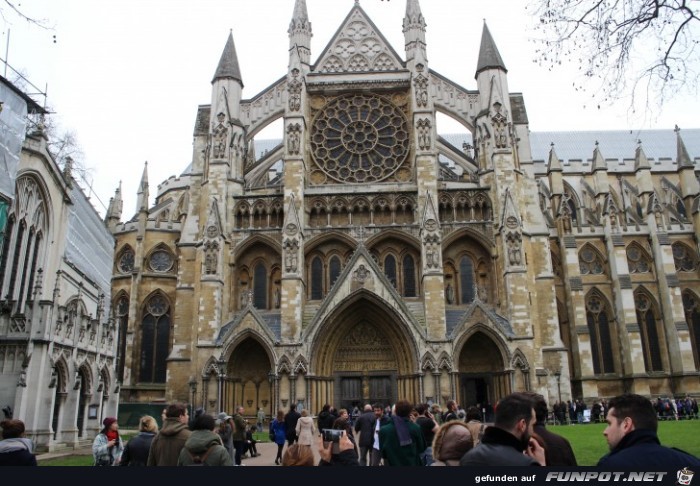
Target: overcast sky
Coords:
[(127, 75)]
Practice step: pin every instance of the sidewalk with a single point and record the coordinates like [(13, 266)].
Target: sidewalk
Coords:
[(267, 451)]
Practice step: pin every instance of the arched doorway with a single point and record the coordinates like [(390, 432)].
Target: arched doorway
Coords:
[(247, 378), (482, 376), (364, 353)]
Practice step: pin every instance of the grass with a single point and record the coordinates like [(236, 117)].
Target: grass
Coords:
[(587, 440), (590, 445)]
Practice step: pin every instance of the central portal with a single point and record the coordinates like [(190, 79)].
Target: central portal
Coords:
[(364, 353), (365, 367)]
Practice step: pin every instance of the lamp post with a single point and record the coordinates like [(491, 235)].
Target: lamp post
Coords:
[(557, 375)]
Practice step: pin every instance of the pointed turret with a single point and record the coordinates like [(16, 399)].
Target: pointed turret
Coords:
[(414, 33), (690, 187), (114, 211), (642, 169), (600, 172), (142, 194), (228, 64), (489, 57), (300, 32), (554, 172)]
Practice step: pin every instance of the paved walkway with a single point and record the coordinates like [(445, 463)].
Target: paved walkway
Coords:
[(267, 450)]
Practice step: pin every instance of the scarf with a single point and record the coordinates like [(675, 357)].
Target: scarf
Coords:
[(402, 431), (113, 435)]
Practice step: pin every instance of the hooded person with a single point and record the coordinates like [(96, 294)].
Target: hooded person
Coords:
[(15, 449), (451, 442), (225, 431), (169, 441), (204, 445)]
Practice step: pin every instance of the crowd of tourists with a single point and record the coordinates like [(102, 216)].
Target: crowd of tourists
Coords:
[(404, 434)]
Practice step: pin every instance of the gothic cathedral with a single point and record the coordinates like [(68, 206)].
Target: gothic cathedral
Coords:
[(364, 258)]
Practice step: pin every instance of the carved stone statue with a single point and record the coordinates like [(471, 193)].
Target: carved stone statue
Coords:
[(450, 294), (219, 138)]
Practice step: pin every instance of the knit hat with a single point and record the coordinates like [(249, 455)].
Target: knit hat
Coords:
[(107, 422)]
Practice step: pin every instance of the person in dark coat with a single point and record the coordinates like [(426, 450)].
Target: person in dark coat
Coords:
[(509, 441), (15, 448), (634, 445), (557, 450), (401, 441), (136, 450), (326, 418), (365, 427), (290, 422)]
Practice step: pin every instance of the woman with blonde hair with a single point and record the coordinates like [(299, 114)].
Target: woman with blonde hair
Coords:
[(136, 450), (306, 430)]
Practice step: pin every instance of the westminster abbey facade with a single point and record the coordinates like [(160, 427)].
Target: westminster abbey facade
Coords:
[(367, 257)]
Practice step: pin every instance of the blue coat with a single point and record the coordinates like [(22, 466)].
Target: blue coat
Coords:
[(641, 450), (280, 431)]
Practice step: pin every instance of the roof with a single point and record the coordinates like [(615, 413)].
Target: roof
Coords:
[(228, 64), (489, 57)]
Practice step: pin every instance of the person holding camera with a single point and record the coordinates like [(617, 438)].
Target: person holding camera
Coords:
[(336, 449), (428, 427)]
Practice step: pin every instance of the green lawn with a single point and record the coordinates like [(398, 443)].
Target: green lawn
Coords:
[(587, 440), (590, 445)]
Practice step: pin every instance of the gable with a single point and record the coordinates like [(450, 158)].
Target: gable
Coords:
[(358, 46)]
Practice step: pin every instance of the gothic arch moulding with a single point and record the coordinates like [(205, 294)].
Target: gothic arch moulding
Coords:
[(363, 332), (486, 331)]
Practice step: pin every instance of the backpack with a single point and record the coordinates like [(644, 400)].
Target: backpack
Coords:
[(198, 460)]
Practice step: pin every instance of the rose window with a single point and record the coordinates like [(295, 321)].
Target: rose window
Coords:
[(360, 138)]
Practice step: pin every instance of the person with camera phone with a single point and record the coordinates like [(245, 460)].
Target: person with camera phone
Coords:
[(333, 440)]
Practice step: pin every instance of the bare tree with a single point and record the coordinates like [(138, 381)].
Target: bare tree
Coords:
[(14, 7), (644, 50)]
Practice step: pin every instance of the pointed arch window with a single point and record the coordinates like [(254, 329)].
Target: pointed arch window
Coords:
[(317, 279), (409, 276), (334, 270), (4, 256), (590, 262), (390, 269), (684, 258), (260, 286), (466, 280), (637, 259), (649, 332), (571, 207), (598, 320), (691, 304), (121, 311), (155, 340)]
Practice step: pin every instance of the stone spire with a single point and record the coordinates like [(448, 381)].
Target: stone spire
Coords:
[(142, 194), (489, 57), (300, 32), (116, 204), (414, 33), (599, 162), (228, 64), (682, 157)]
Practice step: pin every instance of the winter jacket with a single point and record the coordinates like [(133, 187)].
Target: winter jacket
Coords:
[(106, 456), (641, 450), (325, 420), (451, 442), (290, 421), (395, 454), (201, 441), (239, 426), (17, 452), (226, 437), (345, 458), (136, 450), (557, 450), (497, 448), (280, 431), (306, 431), (167, 444)]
